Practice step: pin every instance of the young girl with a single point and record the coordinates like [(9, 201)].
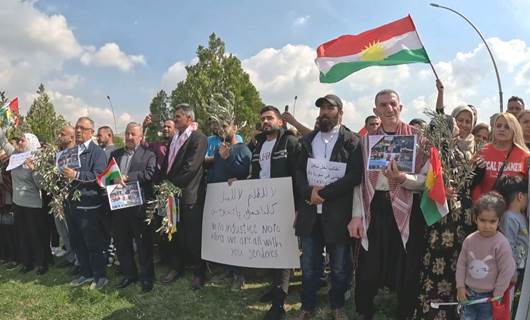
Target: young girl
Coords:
[(514, 224), (485, 265)]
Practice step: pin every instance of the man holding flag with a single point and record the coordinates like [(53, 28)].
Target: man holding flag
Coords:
[(84, 216), (137, 164)]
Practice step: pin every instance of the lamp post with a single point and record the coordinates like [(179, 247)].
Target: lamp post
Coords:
[(485, 43)]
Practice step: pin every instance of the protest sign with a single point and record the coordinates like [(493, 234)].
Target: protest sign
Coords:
[(383, 149), (17, 159), (124, 196), (250, 224), (69, 158), (321, 173)]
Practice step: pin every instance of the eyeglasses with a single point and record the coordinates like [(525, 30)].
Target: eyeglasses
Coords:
[(82, 128)]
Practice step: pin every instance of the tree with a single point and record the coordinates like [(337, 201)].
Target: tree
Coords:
[(41, 118), (3, 98), (218, 73), (160, 111)]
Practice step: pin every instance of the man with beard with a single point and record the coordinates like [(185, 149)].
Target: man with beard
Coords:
[(324, 211), (393, 241), (274, 156), (66, 140), (105, 139)]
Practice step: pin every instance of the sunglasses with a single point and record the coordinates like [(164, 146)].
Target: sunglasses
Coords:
[(500, 126)]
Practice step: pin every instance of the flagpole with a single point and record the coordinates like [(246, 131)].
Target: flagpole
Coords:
[(419, 38), (485, 44)]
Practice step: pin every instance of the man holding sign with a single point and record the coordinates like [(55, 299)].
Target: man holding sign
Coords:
[(329, 166), (274, 157), (392, 227), (137, 164)]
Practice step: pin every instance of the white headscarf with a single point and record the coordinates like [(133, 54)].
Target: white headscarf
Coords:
[(466, 144), (33, 142)]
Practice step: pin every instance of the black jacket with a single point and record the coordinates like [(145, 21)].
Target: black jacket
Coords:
[(187, 169), (93, 162), (338, 196), (141, 169), (283, 158)]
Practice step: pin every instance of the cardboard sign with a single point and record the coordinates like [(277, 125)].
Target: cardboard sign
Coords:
[(250, 224)]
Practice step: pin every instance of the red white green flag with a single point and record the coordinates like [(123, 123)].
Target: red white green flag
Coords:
[(108, 176), (9, 112), (391, 44), (434, 201)]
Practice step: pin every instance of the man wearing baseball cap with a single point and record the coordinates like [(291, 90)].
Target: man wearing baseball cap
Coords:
[(325, 207)]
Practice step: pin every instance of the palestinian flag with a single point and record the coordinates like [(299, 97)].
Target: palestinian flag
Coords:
[(434, 202), (391, 44), (9, 112), (109, 174)]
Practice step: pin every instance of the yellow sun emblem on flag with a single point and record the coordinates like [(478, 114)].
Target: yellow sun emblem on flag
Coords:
[(373, 52)]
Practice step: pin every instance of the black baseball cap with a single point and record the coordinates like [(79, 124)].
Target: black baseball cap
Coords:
[(331, 99)]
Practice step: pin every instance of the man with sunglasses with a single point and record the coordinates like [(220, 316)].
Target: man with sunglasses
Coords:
[(84, 216)]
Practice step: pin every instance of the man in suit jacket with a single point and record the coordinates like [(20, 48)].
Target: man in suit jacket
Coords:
[(137, 164), (84, 216), (183, 167), (324, 211)]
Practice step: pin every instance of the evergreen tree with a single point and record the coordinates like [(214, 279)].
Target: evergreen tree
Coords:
[(42, 119)]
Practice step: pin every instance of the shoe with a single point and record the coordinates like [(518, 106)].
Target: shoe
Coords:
[(125, 282), (64, 264), (238, 283), (197, 282), (147, 286), (266, 297), (99, 284), (275, 313), (25, 269), (305, 315), (340, 314), (171, 276), (80, 281), (75, 271), (11, 266), (41, 270), (59, 253)]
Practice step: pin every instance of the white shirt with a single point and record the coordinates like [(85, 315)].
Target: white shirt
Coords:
[(324, 142), (322, 145), (265, 157)]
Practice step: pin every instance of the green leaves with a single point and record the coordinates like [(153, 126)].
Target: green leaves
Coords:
[(218, 74), (41, 118)]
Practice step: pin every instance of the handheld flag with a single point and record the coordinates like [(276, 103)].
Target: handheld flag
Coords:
[(109, 174), (9, 113), (391, 44), (434, 202)]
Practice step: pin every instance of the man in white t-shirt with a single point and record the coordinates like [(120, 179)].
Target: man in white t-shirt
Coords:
[(274, 156)]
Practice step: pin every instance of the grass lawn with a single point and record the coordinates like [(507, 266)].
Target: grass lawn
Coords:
[(27, 296)]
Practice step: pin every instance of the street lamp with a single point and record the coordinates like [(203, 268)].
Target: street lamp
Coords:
[(485, 43)]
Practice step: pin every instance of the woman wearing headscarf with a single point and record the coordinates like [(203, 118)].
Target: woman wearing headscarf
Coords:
[(505, 155), (30, 218), (443, 239), (465, 119)]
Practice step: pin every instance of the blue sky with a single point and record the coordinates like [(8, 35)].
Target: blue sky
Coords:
[(86, 50)]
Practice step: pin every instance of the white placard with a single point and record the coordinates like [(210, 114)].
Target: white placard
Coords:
[(250, 224), (124, 196), (17, 159), (321, 172)]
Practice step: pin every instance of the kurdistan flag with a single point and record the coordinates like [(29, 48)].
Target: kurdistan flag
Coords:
[(391, 44), (434, 202), (111, 173)]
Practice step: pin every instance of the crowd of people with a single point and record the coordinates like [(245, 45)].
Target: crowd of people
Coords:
[(368, 223)]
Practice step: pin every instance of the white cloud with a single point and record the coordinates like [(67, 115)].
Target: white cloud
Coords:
[(65, 82), (110, 55), (174, 74), (72, 108), (302, 20)]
